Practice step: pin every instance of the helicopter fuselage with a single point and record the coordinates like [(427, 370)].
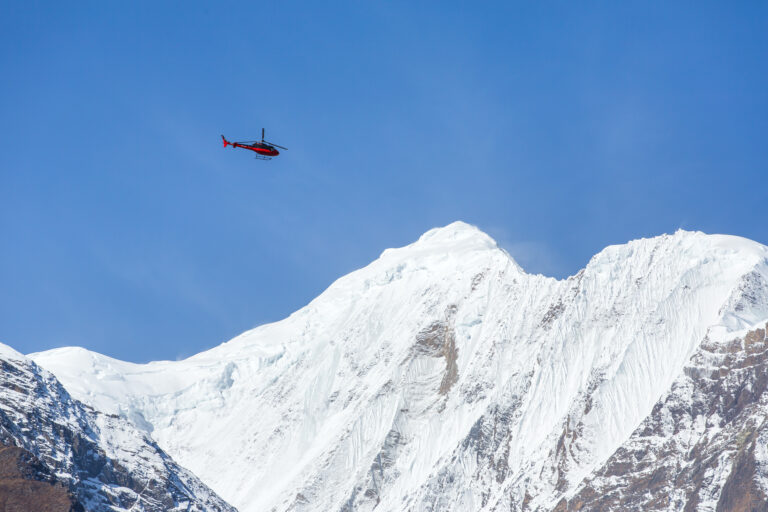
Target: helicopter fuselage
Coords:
[(258, 147)]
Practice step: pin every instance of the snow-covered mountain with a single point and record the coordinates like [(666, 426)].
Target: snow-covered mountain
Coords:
[(58, 455), (443, 377)]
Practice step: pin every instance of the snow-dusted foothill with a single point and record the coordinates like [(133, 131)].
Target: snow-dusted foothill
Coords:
[(441, 376), (58, 454)]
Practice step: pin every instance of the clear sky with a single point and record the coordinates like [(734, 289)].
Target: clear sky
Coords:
[(557, 128)]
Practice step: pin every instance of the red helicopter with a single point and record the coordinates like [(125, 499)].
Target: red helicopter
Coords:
[(264, 150)]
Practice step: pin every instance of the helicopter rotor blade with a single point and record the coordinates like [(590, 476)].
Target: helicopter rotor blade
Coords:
[(276, 145)]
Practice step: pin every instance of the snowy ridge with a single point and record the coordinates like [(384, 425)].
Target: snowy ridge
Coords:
[(439, 376)]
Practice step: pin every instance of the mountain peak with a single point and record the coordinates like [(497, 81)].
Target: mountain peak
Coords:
[(455, 231), (457, 234), (687, 244), (455, 238)]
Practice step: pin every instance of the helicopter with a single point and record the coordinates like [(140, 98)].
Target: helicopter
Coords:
[(264, 150)]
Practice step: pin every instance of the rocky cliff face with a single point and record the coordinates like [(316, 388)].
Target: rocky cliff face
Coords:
[(27, 485), (443, 377), (58, 455)]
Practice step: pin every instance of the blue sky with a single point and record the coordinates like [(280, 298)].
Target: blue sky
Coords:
[(558, 128)]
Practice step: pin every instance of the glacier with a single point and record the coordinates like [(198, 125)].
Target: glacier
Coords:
[(441, 376)]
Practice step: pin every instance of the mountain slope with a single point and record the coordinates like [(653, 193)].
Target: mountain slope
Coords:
[(705, 444), (56, 454), (439, 376)]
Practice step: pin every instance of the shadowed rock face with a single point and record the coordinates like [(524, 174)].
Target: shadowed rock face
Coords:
[(704, 445), (27, 486)]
